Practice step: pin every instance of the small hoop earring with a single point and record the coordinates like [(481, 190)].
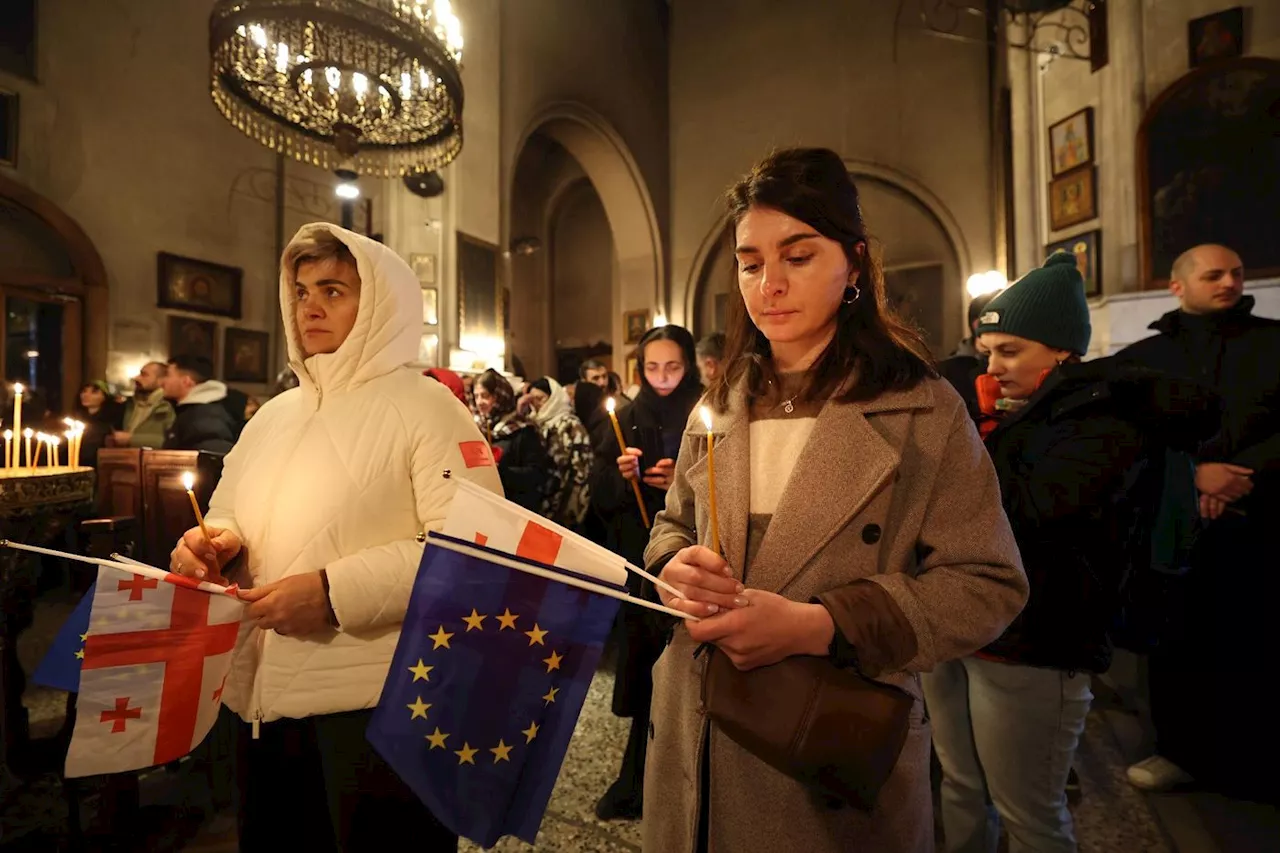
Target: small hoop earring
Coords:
[(849, 300)]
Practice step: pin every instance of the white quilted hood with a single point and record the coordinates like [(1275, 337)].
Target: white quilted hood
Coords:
[(388, 322)]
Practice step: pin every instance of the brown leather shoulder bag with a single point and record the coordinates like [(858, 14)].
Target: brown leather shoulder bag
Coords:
[(812, 720)]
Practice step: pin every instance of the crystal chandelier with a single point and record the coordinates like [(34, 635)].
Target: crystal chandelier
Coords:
[(369, 86)]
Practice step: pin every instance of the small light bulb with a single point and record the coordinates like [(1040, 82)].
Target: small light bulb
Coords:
[(406, 85), (347, 190), (259, 35), (360, 83), (282, 57), (659, 320), (334, 76)]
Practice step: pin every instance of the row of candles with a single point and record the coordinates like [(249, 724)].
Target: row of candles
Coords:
[(15, 439)]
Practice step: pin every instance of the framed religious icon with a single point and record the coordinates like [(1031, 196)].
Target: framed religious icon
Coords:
[(633, 372), (424, 267), (1216, 36), (190, 336), (245, 355), (8, 128), (1071, 142), (430, 311), (1087, 248), (635, 324), (201, 286), (1073, 198)]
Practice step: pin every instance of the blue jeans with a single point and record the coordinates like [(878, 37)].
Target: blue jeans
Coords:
[(1005, 735)]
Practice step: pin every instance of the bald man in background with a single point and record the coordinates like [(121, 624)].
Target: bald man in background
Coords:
[(1225, 643)]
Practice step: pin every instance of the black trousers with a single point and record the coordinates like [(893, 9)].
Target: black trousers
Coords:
[(316, 784), (1207, 685)]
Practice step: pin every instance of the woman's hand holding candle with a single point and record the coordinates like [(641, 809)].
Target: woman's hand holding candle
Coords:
[(706, 584), (204, 558), (660, 476), (770, 629)]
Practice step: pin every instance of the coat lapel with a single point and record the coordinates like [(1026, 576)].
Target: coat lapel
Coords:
[(842, 467)]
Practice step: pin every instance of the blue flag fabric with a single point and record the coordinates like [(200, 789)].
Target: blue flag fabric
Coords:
[(60, 668), (485, 688)]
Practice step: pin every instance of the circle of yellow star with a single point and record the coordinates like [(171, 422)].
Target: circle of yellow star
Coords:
[(551, 695), (421, 671), (80, 655), (530, 733), (437, 738), (466, 755), (553, 662), (440, 638), (501, 752), (474, 620), (507, 620), (419, 709), (536, 635)]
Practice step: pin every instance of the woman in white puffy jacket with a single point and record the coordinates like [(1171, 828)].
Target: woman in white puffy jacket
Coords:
[(317, 517)]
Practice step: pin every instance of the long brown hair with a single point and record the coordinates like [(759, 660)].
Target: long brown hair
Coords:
[(873, 350)]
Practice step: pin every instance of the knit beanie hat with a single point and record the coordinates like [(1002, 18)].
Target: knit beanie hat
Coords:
[(1045, 305)]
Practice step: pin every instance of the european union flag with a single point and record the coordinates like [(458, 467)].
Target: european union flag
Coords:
[(60, 668), (486, 686)]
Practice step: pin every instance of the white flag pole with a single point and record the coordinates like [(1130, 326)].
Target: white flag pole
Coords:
[(657, 581), (132, 566), (556, 576)]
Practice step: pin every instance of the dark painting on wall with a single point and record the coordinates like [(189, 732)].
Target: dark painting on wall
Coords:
[(916, 295), (202, 286), (1209, 167), (189, 336), (245, 355), (1216, 36), (1087, 248), (479, 312)]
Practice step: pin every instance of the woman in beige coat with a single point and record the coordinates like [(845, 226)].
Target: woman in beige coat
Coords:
[(859, 518)]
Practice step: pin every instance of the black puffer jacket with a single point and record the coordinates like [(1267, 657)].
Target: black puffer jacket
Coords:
[(1072, 466)]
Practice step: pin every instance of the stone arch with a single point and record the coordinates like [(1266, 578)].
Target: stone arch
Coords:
[(90, 282), (607, 161), (898, 182)]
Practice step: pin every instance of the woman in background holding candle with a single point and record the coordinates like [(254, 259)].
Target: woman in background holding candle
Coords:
[(859, 517), (669, 391), (101, 415)]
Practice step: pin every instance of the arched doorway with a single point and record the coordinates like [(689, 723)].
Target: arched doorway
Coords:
[(54, 290), (571, 167), (920, 246)]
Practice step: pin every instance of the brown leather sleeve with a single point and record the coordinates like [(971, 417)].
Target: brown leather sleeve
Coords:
[(872, 624)]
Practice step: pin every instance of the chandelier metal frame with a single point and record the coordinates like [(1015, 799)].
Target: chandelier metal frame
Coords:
[(373, 86)]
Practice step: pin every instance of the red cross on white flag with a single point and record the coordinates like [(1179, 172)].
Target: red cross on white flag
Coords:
[(480, 517), (156, 656)]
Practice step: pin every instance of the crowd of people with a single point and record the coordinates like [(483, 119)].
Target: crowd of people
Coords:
[(934, 558)]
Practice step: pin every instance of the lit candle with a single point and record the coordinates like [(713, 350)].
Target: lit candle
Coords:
[(635, 483), (28, 434), (55, 451), (41, 440), (79, 441), (8, 448), (711, 480), (188, 483), (17, 425)]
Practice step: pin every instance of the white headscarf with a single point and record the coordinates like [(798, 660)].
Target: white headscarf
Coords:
[(557, 404)]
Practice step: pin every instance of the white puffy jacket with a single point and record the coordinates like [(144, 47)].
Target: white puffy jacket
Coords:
[(343, 473)]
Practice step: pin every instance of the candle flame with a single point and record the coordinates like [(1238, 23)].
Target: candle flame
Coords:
[(8, 434), (610, 405), (69, 422), (17, 388), (28, 432), (188, 481), (706, 417)]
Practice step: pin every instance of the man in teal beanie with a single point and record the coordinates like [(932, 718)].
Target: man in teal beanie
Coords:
[(1046, 305)]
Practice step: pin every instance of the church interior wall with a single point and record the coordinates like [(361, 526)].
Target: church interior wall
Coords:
[(1147, 52), (750, 76)]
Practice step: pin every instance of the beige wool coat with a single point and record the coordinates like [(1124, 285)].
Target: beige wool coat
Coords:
[(897, 491)]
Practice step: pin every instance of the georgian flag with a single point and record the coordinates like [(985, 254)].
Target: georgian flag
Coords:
[(478, 515), (156, 657)]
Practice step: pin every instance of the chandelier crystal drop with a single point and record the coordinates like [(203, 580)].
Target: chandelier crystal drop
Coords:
[(372, 86)]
